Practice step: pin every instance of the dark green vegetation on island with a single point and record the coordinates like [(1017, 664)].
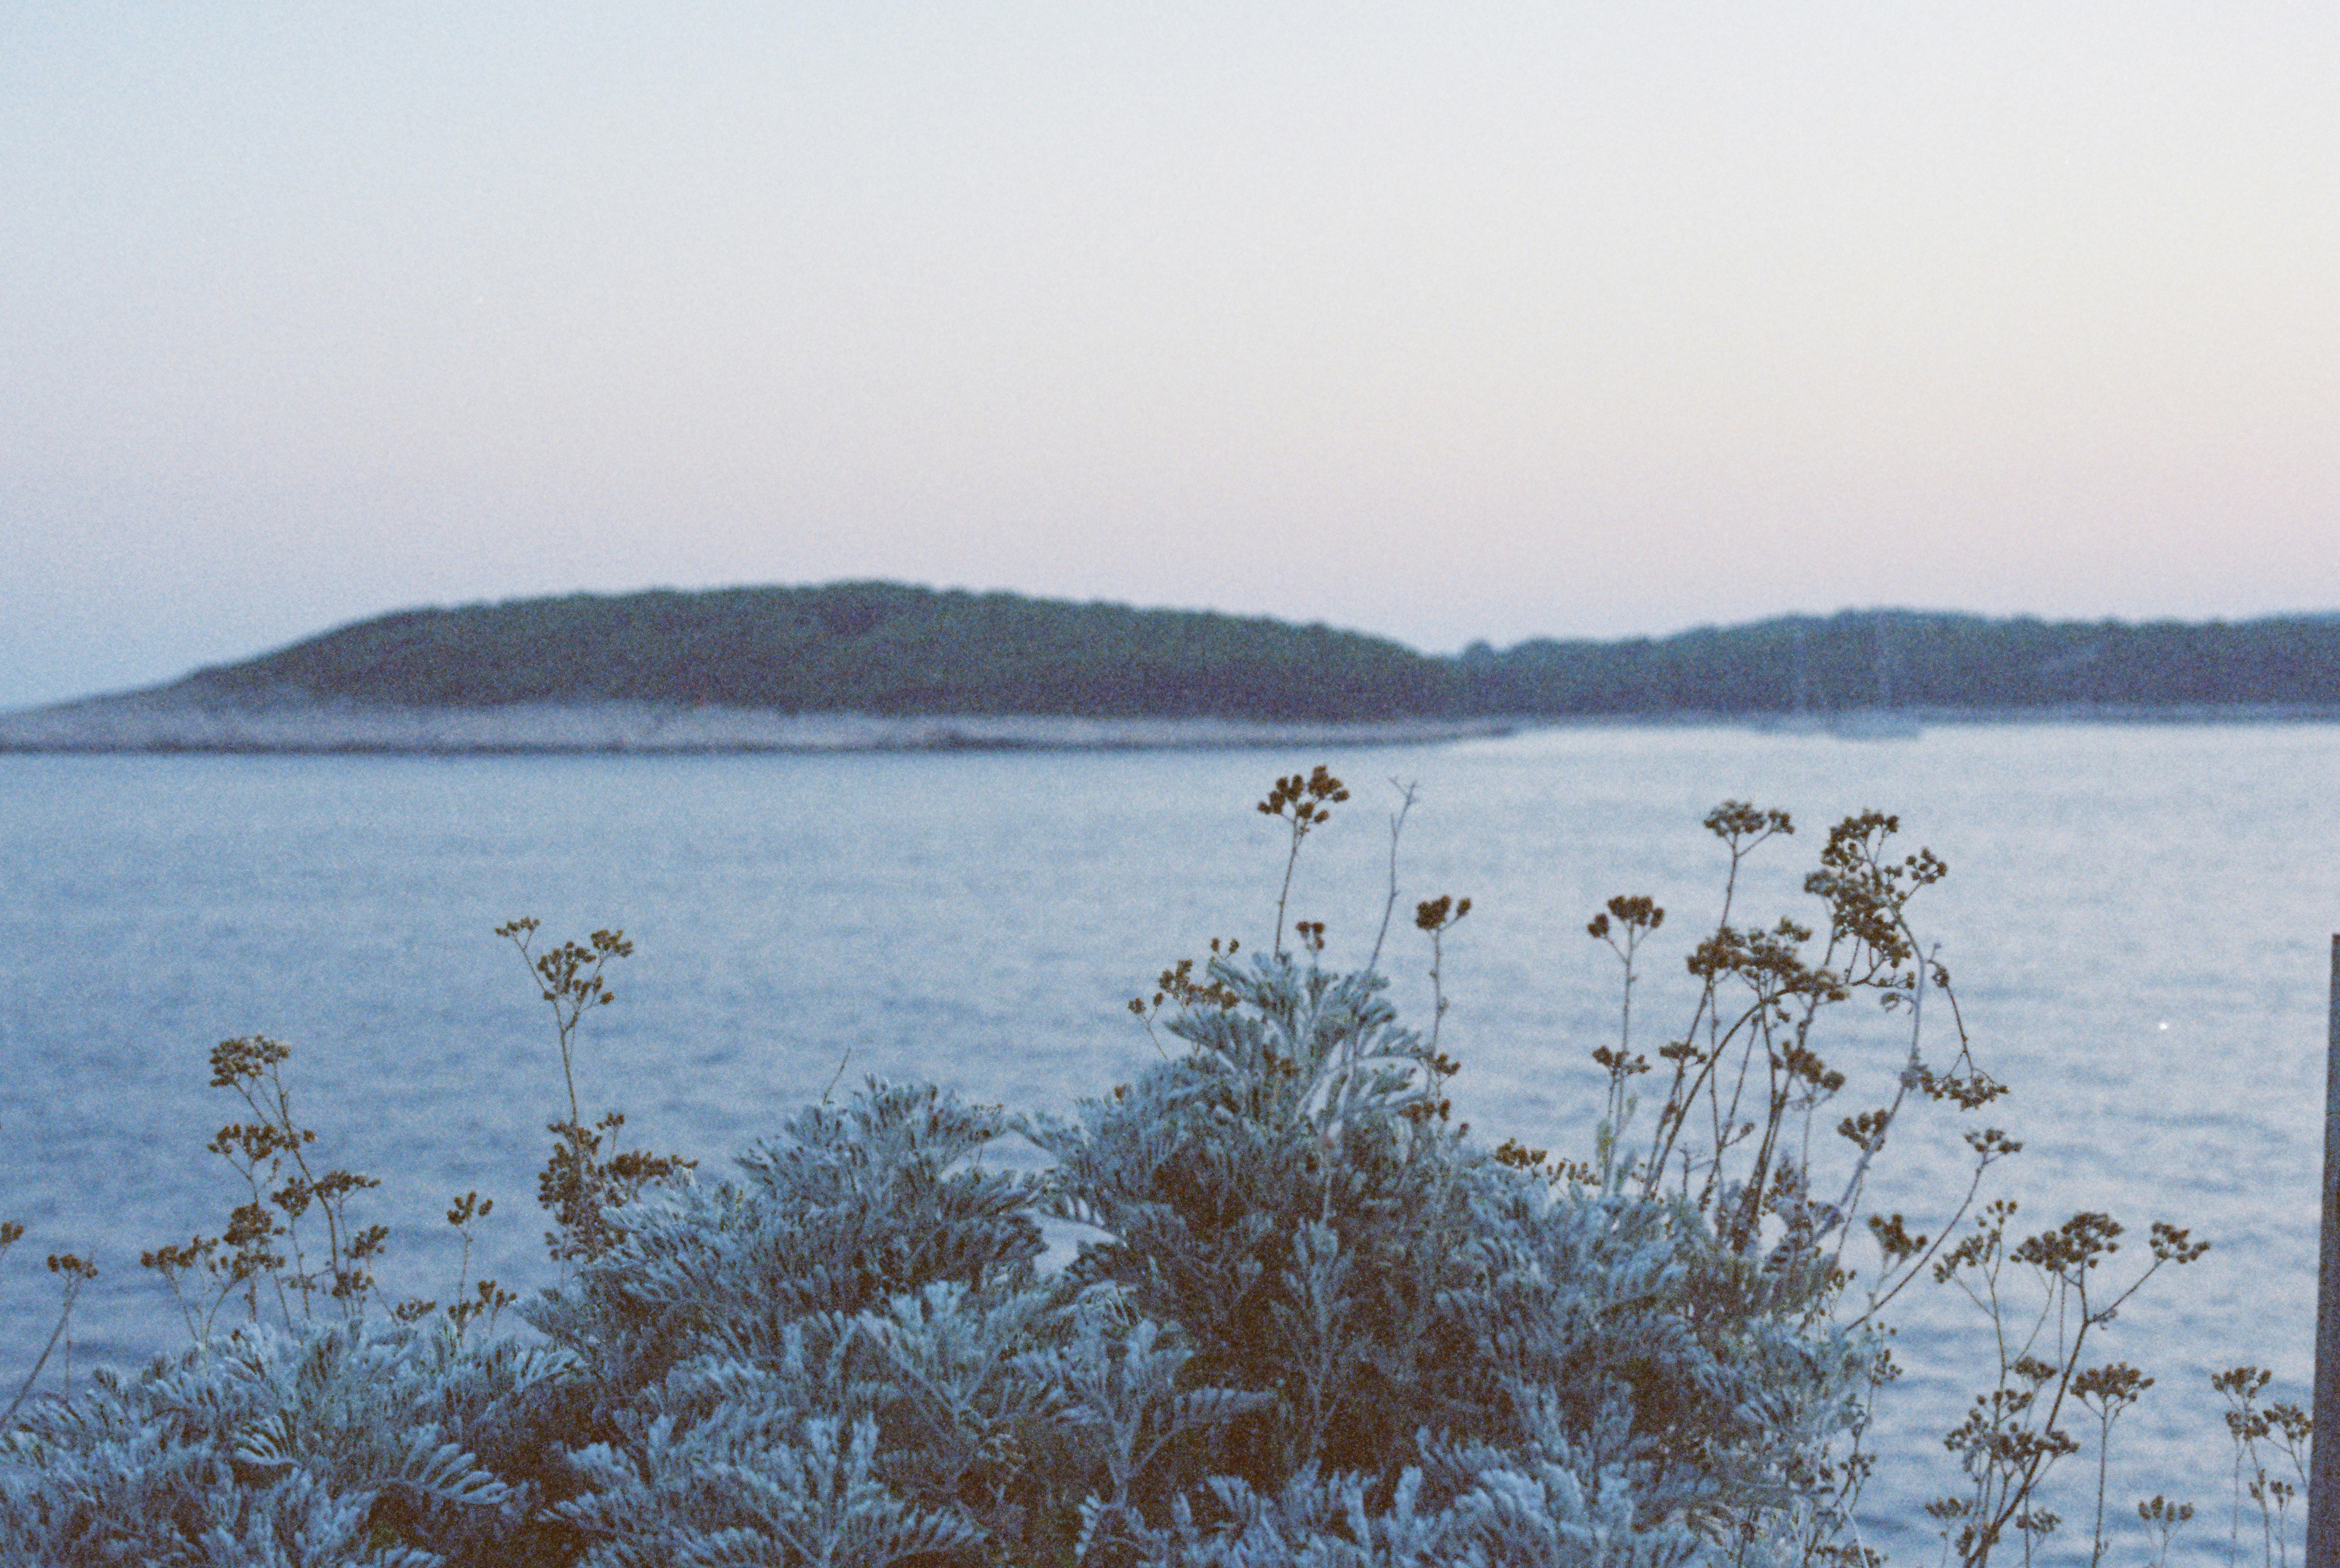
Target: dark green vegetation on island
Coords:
[(888, 648), (1909, 658), (853, 647)]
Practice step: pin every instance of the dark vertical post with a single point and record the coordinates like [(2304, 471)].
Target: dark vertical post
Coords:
[(2324, 1475)]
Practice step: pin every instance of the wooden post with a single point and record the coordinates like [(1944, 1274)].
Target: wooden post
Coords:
[(2324, 1474)]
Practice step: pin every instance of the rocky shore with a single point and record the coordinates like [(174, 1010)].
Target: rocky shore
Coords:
[(144, 723)]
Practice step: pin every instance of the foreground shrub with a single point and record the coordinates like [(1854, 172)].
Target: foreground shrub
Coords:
[(353, 1443), (1320, 1320)]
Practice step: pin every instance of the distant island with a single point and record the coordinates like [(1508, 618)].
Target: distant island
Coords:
[(858, 665)]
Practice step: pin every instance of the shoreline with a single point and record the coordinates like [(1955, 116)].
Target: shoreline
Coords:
[(142, 723)]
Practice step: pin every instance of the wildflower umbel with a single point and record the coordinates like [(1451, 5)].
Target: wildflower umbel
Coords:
[(1304, 803), (586, 1175)]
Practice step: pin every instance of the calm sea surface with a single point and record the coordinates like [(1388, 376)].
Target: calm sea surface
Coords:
[(2138, 919)]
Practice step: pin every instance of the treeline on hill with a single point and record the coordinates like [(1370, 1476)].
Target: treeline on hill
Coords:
[(1906, 658), (862, 648), (894, 649)]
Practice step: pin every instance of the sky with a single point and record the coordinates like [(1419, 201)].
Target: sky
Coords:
[(1472, 320)]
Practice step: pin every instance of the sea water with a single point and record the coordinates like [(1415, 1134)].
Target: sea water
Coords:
[(2136, 924)]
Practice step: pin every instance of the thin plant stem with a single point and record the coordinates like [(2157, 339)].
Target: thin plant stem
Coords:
[(1389, 906), (75, 1273)]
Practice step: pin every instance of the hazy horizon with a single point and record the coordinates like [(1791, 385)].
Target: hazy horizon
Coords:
[(1504, 322)]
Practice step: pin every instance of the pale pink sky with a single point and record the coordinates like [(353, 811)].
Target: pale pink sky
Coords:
[(1455, 321)]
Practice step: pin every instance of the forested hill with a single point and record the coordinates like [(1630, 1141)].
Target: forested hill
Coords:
[(886, 648), (1905, 659), (854, 647)]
